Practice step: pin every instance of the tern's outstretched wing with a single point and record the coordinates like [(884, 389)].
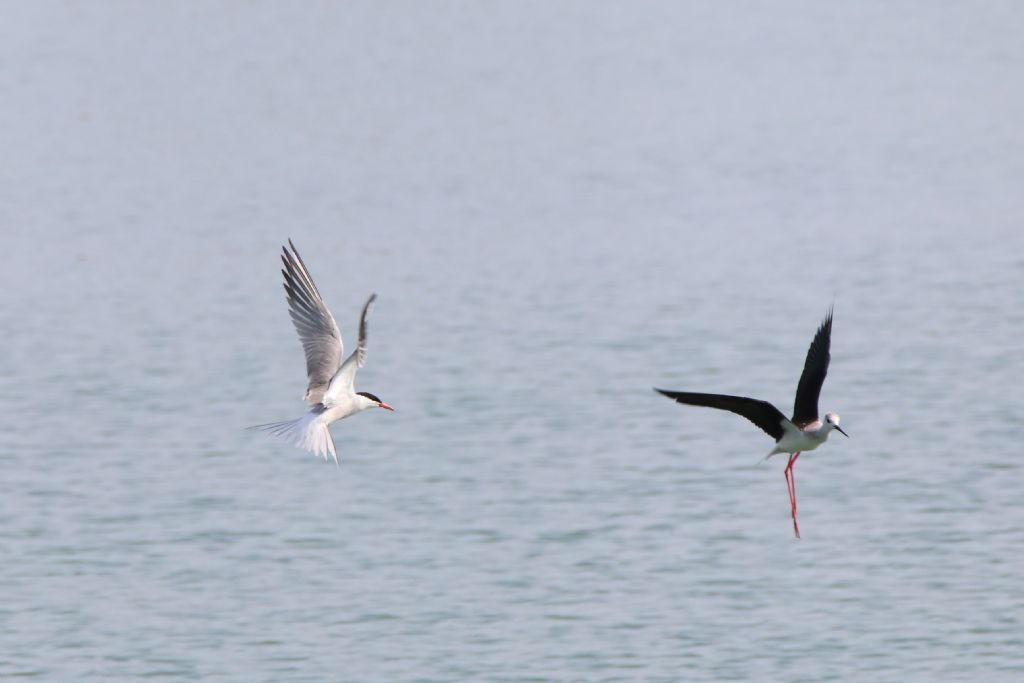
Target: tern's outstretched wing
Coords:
[(344, 381), (762, 413), (805, 408), (317, 330)]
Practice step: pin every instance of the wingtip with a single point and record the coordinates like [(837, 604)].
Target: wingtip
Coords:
[(291, 254), (367, 306), (826, 323)]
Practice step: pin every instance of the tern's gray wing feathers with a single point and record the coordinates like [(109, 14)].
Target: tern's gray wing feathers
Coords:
[(805, 407), (360, 352), (344, 380), (761, 413), (319, 333)]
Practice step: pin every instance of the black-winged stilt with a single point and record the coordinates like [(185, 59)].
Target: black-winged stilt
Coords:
[(805, 431)]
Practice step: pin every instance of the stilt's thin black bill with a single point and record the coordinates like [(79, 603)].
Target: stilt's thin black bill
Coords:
[(840, 430)]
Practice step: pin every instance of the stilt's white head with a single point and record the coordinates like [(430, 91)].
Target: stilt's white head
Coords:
[(832, 420), (368, 400)]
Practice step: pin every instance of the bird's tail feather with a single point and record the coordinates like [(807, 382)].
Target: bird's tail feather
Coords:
[(308, 432)]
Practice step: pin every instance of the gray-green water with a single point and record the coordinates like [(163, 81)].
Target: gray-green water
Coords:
[(560, 206)]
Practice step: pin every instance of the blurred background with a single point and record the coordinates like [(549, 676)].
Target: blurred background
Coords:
[(560, 205)]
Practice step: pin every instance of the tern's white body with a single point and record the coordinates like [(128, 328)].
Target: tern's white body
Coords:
[(310, 431), (344, 406)]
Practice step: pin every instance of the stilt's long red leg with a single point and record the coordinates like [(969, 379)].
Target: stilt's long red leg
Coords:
[(789, 481), (791, 486), (792, 477)]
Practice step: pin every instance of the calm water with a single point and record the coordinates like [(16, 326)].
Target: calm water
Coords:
[(559, 207)]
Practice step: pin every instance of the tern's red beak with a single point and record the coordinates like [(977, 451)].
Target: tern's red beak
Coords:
[(385, 406)]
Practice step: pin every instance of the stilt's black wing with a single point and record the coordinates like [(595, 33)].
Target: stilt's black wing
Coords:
[(805, 408), (762, 413)]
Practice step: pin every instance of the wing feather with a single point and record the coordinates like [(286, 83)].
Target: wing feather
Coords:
[(805, 407), (318, 332), (344, 380), (761, 413)]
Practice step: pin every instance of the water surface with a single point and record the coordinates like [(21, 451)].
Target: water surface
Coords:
[(559, 207)]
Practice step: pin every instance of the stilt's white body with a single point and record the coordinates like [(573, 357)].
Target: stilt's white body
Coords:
[(796, 440)]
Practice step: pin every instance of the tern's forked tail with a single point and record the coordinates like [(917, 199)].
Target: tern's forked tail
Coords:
[(308, 432)]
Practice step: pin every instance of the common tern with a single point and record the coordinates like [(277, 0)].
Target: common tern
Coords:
[(331, 389)]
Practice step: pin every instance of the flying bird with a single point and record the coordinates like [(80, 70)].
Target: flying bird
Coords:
[(805, 431), (331, 389)]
